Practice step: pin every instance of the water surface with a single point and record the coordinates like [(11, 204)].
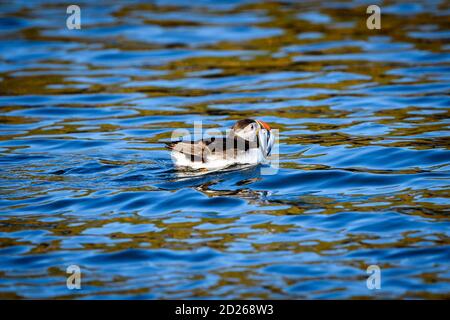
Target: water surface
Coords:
[(364, 150)]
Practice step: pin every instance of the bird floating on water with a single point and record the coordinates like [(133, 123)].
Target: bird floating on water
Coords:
[(248, 142)]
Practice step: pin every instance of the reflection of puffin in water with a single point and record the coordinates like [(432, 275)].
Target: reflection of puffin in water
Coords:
[(249, 142)]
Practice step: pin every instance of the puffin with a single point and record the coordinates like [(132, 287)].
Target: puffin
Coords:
[(249, 142)]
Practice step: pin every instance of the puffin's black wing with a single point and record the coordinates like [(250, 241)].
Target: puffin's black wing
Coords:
[(193, 150)]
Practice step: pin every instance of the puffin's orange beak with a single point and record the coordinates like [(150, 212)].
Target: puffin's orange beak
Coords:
[(264, 125)]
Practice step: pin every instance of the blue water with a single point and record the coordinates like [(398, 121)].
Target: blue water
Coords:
[(363, 152)]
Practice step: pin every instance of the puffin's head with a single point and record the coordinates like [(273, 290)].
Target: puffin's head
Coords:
[(251, 130)]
